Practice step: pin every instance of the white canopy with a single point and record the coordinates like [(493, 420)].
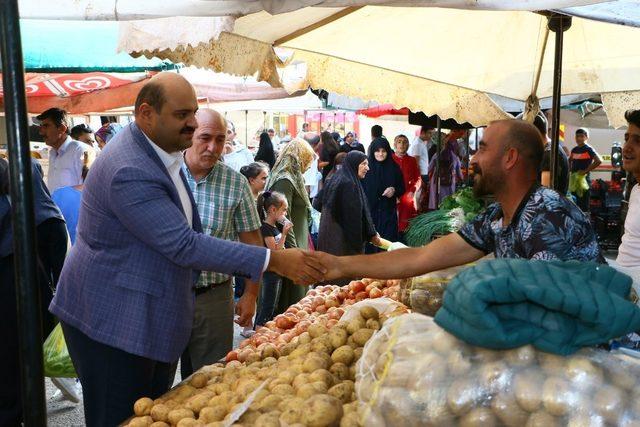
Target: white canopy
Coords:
[(436, 60)]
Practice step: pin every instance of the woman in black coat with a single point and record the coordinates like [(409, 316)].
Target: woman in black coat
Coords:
[(346, 224), (266, 153), (383, 185)]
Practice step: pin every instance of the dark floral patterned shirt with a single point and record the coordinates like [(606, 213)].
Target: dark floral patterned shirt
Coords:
[(546, 226)]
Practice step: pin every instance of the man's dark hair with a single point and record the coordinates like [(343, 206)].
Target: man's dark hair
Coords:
[(376, 131), (79, 130), (426, 129), (152, 93), (633, 117), (527, 139), (582, 131), (336, 137), (312, 139), (56, 115), (540, 122), (104, 120)]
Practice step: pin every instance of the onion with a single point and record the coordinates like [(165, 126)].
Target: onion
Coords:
[(375, 293), (321, 309), (232, 355), (357, 287), (361, 295)]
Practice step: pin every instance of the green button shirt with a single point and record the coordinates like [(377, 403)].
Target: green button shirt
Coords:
[(226, 207)]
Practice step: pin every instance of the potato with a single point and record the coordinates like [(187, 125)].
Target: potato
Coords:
[(142, 406), (479, 417), (352, 372), (300, 380), (197, 402), (184, 392), (351, 343), (159, 424), (350, 419), (400, 373), (320, 386), (619, 376), (160, 412), (291, 402), (528, 390), (373, 324), (291, 415), (199, 380), (585, 419), (355, 324), (249, 417), (357, 353), (350, 407), (583, 373), (287, 349), (361, 336), (462, 396), (268, 420), (313, 363), (551, 364), (283, 390), (541, 419), (609, 402), (178, 414), (269, 350), (338, 337), (304, 338), (342, 391), (343, 355), (340, 371), (505, 407), (189, 422), (307, 390), (301, 351), (557, 396), (369, 313), (495, 376), (270, 403), (322, 375), (316, 330), (209, 414), (321, 411), (219, 388), (245, 388), (143, 421), (322, 345)]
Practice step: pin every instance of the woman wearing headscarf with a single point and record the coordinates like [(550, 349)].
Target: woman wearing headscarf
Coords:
[(448, 169), (287, 178), (266, 153), (383, 185), (346, 224)]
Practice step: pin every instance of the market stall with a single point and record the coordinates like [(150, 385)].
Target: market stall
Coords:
[(354, 356)]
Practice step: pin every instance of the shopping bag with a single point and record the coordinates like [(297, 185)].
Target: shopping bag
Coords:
[(57, 362)]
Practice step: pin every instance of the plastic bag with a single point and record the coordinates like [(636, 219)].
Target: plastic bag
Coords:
[(423, 294), (413, 373), (57, 362)]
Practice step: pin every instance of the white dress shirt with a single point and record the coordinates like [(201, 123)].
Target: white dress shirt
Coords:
[(173, 162), (239, 158), (418, 148), (65, 165)]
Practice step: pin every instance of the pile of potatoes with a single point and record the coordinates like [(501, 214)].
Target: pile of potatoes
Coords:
[(424, 294), (413, 373), (310, 383)]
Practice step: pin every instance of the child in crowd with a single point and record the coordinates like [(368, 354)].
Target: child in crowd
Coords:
[(272, 208)]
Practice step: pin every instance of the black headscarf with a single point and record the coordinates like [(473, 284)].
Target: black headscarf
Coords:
[(345, 198), (265, 151), (382, 175)]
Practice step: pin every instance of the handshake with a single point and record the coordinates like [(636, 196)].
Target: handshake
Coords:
[(305, 267)]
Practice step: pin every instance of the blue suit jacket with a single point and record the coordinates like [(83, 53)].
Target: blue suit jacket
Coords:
[(128, 281)]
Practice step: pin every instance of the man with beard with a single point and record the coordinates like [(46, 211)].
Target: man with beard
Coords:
[(527, 221)]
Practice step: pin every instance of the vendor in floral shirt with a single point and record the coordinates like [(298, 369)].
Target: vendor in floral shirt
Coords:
[(527, 221)]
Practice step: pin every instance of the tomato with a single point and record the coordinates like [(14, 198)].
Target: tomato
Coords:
[(357, 287)]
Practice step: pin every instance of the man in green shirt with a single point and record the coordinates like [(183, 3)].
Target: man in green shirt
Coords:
[(227, 211)]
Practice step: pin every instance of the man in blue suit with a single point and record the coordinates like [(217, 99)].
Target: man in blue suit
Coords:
[(126, 293)]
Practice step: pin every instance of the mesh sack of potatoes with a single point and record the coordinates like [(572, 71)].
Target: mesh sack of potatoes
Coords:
[(413, 373), (423, 294)]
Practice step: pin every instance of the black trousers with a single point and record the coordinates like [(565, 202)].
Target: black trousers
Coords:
[(112, 379), (52, 247)]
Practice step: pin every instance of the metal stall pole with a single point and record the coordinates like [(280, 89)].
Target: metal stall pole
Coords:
[(437, 172), (558, 24), (467, 155), (246, 128), (24, 233)]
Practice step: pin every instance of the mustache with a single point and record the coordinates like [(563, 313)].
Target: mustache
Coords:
[(188, 129)]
